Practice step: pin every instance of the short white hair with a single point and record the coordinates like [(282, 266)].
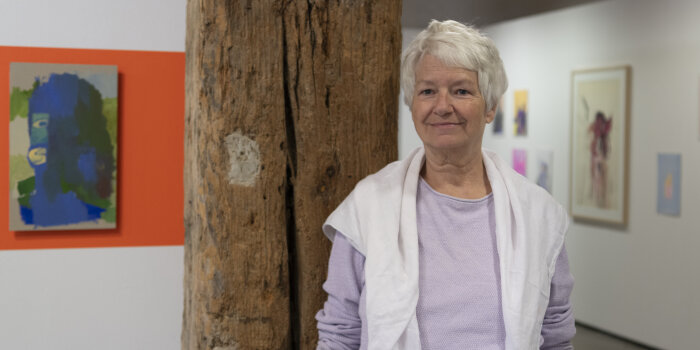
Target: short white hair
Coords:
[(456, 45)]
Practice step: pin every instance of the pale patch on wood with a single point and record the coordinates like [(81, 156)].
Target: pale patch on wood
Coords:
[(244, 159)]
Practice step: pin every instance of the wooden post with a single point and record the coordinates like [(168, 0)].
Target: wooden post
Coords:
[(288, 105)]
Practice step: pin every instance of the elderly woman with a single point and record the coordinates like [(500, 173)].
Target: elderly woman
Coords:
[(449, 248)]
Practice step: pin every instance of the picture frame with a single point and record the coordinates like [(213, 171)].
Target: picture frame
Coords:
[(520, 161), (520, 112), (63, 146), (600, 144), (544, 171), (668, 184), (498, 119)]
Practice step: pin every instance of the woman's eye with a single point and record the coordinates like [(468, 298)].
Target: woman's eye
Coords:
[(462, 92), (426, 92)]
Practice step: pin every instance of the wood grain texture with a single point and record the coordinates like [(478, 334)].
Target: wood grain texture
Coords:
[(343, 86), (236, 263), (315, 85)]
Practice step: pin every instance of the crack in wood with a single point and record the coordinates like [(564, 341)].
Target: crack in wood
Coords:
[(291, 171)]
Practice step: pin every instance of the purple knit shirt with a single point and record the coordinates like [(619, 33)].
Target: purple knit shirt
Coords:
[(459, 303)]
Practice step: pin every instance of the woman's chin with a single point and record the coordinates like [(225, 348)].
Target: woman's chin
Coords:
[(447, 146)]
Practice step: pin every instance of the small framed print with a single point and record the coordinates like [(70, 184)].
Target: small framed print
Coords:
[(668, 194)]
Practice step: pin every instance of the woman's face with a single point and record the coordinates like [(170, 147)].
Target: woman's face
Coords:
[(448, 110)]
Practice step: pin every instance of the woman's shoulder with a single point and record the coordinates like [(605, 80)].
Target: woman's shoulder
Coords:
[(533, 199), (391, 176), (536, 202), (374, 198), (383, 176)]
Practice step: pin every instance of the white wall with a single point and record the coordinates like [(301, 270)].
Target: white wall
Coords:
[(152, 25), (103, 298), (640, 282)]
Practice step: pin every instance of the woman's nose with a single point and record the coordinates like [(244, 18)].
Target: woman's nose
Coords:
[(443, 105)]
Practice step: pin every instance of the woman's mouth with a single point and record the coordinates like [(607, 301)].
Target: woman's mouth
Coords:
[(445, 124)]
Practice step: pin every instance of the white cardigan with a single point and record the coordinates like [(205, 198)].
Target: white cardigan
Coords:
[(379, 219)]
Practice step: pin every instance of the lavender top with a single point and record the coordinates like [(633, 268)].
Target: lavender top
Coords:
[(459, 304)]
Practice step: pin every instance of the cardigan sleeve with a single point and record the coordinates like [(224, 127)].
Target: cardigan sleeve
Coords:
[(558, 327), (339, 323)]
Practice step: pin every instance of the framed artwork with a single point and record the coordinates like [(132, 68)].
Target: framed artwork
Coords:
[(520, 161), (599, 144), (668, 184), (520, 113), (545, 160), (63, 147), (498, 119)]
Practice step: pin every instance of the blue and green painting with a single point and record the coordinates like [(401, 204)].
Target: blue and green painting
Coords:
[(63, 146)]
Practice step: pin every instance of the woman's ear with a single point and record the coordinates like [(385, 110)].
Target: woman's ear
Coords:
[(491, 114)]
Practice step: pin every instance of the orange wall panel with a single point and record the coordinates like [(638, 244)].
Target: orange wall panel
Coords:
[(150, 149)]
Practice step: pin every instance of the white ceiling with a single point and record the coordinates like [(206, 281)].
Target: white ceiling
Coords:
[(417, 13)]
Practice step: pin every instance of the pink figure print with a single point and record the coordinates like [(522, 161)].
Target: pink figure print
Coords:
[(600, 149)]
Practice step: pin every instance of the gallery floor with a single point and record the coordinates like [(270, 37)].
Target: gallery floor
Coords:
[(590, 339)]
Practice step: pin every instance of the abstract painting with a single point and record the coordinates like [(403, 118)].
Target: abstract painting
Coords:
[(520, 161), (520, 113), (544, 169), (668, 194), (498, 119), (599, 138), (63, 146)]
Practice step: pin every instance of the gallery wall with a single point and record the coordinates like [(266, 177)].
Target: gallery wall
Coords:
[(640, 281), (119, 288)]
